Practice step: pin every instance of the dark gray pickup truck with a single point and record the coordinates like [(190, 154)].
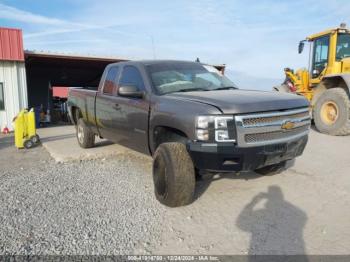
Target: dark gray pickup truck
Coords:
[(191, 119)]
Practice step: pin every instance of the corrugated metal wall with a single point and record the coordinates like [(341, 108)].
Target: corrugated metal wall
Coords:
[(13, 77), (11, 44)]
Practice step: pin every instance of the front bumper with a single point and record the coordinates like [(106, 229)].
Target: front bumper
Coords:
[(229, 157)]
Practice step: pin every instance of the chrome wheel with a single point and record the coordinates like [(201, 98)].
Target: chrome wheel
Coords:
[(80, 134)]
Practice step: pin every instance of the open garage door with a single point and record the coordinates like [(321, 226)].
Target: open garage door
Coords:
[(45, 71)]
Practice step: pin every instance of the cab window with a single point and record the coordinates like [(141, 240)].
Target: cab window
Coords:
[(321, 47), (131, 76), (110, 84), (343, 46)]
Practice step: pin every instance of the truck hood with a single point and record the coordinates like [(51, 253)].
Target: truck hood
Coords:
[(244, 101)]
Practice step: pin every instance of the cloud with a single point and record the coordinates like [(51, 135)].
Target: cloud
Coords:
[(213, 12), (258, 38), (56, 26), (12, 13), (73, 29)]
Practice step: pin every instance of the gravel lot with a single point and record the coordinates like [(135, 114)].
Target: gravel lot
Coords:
[(92, 207), (107, 206)]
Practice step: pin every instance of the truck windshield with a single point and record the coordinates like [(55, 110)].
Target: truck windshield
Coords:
[(181, 77), (343, 46)]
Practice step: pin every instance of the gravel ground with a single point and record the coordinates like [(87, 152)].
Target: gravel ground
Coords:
[(90, 207), (107, 206)]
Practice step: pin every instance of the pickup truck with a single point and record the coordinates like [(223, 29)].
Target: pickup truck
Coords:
[(190, 118)]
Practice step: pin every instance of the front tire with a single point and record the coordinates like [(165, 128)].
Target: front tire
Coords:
[(85, 137), (332, 112), (173, 175)]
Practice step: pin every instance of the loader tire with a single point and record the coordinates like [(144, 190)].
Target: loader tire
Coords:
[(173, 175), (85, 137), (332, 112)]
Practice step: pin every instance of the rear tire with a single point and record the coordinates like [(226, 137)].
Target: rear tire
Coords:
[(173, 175), (272, 169), (85, 137), (332, 112)]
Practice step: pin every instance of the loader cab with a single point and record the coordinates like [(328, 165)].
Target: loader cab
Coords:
[(327, 50), (319, 54)]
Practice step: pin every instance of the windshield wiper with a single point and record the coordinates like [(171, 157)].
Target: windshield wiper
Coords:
[(193, 89), (225, 88)]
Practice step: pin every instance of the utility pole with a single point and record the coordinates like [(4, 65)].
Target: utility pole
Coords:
[(153, 47)]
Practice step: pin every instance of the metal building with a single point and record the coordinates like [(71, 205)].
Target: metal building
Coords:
[(27, 77), (13, 86)]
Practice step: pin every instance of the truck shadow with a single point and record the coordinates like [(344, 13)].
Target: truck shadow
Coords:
[(103, 143), (56, 138), (100, 143), (203, 184)]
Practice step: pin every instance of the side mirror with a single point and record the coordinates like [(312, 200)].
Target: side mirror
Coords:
[(301, 47), (130, 91)]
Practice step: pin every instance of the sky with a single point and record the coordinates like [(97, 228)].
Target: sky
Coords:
[(255, 39)]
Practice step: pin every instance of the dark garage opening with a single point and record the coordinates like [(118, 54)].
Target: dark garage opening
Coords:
[(45, 71)]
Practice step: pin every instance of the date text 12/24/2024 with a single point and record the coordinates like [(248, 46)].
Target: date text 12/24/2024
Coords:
[(172, 258)]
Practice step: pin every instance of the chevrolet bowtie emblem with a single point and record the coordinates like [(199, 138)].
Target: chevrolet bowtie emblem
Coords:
[(287, 125)]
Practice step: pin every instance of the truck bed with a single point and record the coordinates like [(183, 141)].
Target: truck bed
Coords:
[(85, 100)]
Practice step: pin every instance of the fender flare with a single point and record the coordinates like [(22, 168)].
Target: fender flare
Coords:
[(323, 86), (344, 76)]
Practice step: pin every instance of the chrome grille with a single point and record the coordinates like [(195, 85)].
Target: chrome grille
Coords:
[(268, 136), (272, 127), (265, 120)]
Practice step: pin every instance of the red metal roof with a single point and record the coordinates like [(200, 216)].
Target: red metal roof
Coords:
[(11, 44)]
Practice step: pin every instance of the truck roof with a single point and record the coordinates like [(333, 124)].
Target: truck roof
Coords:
[(220, 67), (152, 62)]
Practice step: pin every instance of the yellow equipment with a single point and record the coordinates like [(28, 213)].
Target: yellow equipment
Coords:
[(326, 83), (25, 130)]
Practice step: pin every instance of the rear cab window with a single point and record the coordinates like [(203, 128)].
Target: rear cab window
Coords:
[(110, 83)]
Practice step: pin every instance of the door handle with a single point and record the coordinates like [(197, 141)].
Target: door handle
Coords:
[(116, 106)]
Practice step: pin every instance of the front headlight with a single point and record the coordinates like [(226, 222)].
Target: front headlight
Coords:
[(203, 122), (220, 128), (221, 121), (202, 134)]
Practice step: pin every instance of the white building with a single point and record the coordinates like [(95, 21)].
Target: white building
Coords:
[(13, 86)]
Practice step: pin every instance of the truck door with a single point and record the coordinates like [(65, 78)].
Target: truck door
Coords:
[(131, 119), (106, 108)]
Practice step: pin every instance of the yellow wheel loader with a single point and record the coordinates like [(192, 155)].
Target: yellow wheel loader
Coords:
[(326, 84)]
